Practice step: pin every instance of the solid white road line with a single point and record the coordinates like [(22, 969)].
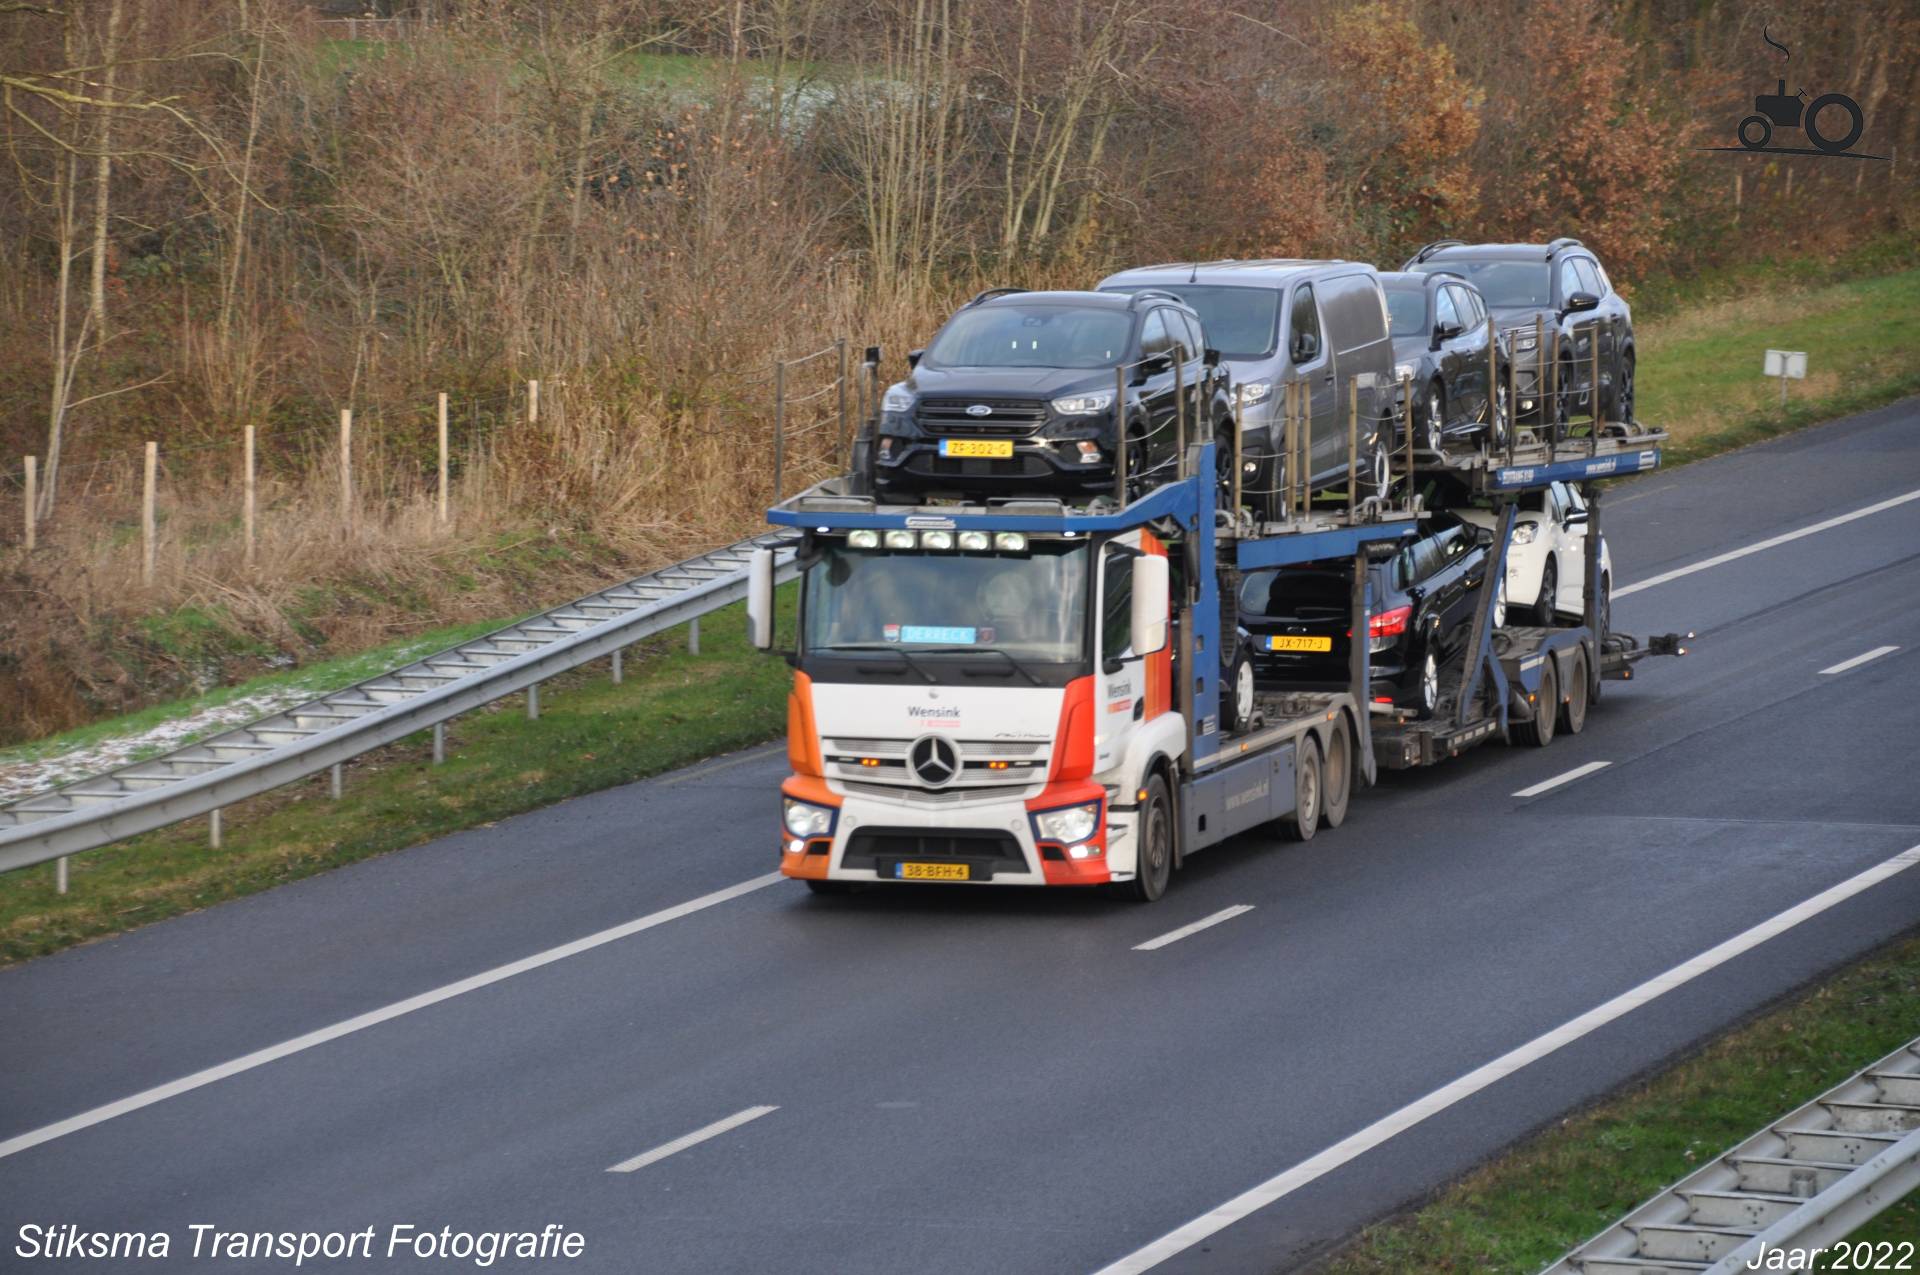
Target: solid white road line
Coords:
[(1858, 660), (372, 1018), (1759, 545), (686, 1140), (1473, 1082), (1547, 785), (1205, 922)]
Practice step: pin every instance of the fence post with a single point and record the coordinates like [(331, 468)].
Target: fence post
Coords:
[(443, 458), (247, 499), (146, 513), (346, 467), (33, 494), (533, 402), (845, 443), (779, 428)]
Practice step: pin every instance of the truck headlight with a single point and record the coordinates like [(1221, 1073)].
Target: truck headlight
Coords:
[(804, 819), (898, 399), (1255, 391), (1083, 404), (1067, 824)]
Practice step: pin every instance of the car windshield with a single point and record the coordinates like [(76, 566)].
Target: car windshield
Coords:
[(1241, 323), (1408, 310), (1032, 336), (1506, 285), (1032, 605)]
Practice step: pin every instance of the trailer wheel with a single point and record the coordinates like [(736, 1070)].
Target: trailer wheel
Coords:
[(1156, 843), (1337, 774), (1308, 787), (1546, 710), (1573, 714)]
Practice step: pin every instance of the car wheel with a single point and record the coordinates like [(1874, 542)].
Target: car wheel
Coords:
[(1546, 709), (1436, 422), (1307, 790), (1380, 470), (1223, 458), (1236, 700), (1155, 868), (1336, 774), (1573, 714), (1548, 599), (1429, 688), (1623, 393), (1502, 419)]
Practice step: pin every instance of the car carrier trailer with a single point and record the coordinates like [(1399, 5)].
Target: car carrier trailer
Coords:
[(1027, 692)]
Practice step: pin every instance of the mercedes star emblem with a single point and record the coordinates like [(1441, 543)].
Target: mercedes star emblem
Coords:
[(934, 760)]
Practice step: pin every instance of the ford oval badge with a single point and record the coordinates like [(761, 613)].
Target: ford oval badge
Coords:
[(979, 409)]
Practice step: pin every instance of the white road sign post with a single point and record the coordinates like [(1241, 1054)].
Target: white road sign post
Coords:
[(1786, 364)]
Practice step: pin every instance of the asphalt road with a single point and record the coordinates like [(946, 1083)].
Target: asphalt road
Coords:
[(995, 1081)]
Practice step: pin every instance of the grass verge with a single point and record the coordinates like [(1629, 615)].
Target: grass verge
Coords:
[(1525, 1209), (672, 709)]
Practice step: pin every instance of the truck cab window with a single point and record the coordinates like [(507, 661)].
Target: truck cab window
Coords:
[(1116, 604)]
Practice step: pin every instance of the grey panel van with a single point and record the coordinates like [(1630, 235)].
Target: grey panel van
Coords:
[(1275, 321)]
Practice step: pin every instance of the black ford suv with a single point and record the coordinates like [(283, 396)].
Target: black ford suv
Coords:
[(1562, 285), (1440, 344), (1015, 396)]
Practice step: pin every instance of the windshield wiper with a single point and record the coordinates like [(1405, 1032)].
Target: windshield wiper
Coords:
[(1018, 667), (863, 647)]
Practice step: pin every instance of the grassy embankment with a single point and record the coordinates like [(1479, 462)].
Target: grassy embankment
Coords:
[(1699, 375), (1523, 1210)]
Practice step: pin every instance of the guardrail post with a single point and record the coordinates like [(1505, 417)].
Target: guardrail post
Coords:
[(779, 429), (533, 702), (213, 830), (616, 666), (443, 458), (247, 499), (60, 875), (146, 513), (334, 781), (439, 742), (693, 636), (33, 494)]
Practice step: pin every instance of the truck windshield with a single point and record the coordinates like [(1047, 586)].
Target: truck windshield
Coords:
[(1033, 336), (1239, 322), (1506, 285), (938, 608)]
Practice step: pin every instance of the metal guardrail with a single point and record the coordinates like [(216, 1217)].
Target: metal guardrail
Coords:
[(210, 774), (1805, 1182)]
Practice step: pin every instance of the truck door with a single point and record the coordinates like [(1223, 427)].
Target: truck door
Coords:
[(1122, 676)]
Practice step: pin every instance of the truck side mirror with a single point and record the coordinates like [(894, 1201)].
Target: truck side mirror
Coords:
[(760, 599), (1150, 604), (913, 356)]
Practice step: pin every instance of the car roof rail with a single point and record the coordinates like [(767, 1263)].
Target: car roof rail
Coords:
[(991, 293), (1154, 294), (1565, 241), (1453, 275), (1432, 248)]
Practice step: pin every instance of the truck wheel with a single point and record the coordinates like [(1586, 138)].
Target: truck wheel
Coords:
[(1308, 786), (1573, 714), (829, 887), (1546, 710), (1337, 774), (1156, 843)]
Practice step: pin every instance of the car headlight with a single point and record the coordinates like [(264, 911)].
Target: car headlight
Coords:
[(1083, 404), (1403, 371), (1067, 824), (804, 819), (1523, 534), (1254, 391), (898, 399)]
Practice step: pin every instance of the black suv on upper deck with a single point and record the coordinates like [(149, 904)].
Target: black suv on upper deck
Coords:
[(1014, 396), (1561, 285)]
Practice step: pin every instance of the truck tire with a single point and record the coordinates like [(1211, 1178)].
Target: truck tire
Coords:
[(1156, 833), (1573, 713), (1337, 775), (1546, 711), (1308, 786)]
